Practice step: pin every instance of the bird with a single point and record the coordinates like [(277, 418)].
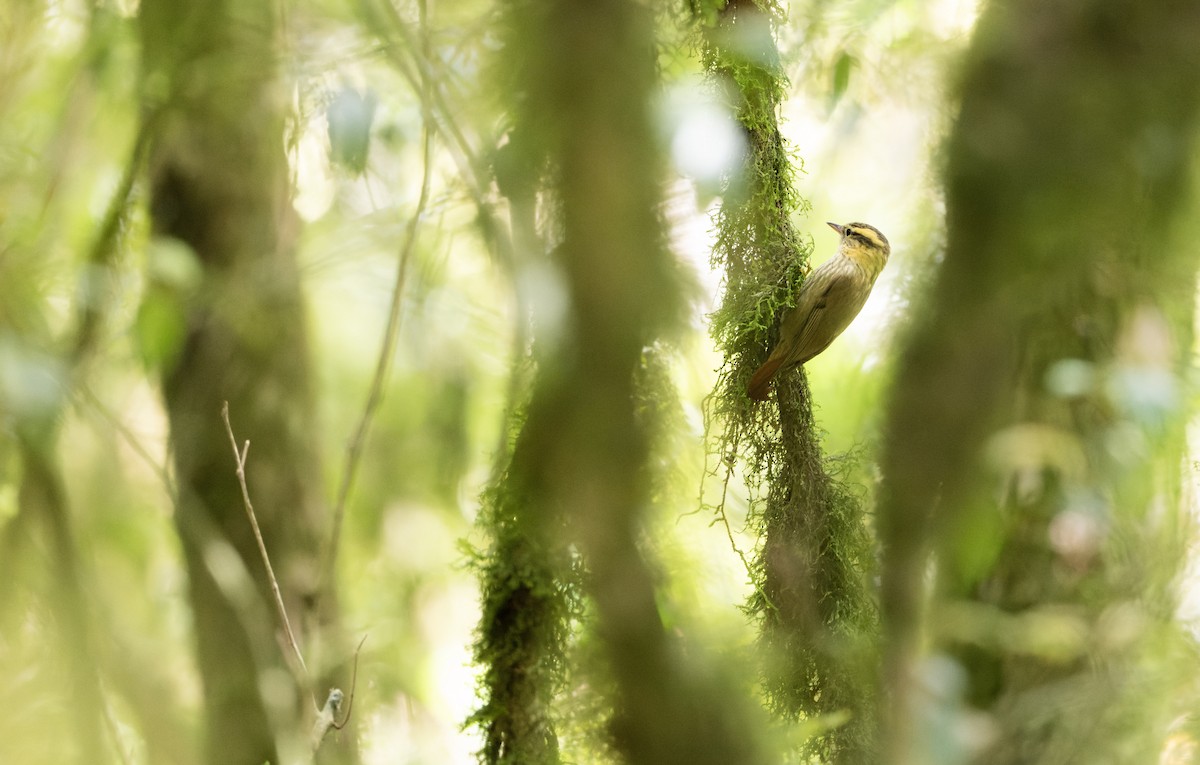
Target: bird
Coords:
[(829, 299)]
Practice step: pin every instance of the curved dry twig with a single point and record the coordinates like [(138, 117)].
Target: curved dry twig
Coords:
[(391, 332), (353, 685)]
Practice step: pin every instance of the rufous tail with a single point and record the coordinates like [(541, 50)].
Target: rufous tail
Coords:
[(760, 383)]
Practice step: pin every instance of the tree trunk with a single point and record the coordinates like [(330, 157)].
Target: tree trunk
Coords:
[(818, 620), (583, 79), (219, 185), (1050, 342)]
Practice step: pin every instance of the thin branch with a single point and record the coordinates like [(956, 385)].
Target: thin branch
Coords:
[(470, 167), (43, 495), (114, 735), (422, 81), (353, 685), (391, 332), (91, 399), (723, 519), (398, 45), (93, 305), (240, 457)]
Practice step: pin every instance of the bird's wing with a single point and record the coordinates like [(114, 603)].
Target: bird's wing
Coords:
[(824, 308)]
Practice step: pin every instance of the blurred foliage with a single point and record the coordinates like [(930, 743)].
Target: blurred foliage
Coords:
[(859, 94), (1014, 453)]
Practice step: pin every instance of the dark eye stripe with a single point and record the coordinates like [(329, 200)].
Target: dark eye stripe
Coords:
[(868, 235)]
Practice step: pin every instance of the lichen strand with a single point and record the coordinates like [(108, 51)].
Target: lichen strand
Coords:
[(816, 615)]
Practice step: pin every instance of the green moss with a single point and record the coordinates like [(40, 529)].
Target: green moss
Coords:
[(817, 618), (530, 597)]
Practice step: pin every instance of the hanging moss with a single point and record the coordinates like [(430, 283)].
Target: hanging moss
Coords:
[(817, 618)]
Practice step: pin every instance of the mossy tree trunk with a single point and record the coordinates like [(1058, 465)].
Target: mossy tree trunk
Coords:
[(817, 615), (582, 79), (528, 596), (219, 186), (1051, 343)]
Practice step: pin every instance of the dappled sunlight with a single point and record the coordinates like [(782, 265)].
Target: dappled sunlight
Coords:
[(482, 287)]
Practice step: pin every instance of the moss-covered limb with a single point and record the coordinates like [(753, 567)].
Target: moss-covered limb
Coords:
[(533, 602), (1060, 251), (526, 614), (583, 75), (762, 255), (817, 616), (518, 685), (530, 597), (820, 614)]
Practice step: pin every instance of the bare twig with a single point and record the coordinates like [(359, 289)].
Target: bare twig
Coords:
[(90, 398), (388, 347), (353, 685), (240, 457), (726, 463), (471, 167)]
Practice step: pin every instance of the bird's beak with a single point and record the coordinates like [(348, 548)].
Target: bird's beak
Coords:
[(835, 227)]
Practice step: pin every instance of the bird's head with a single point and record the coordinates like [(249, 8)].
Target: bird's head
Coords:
[(863, 243)]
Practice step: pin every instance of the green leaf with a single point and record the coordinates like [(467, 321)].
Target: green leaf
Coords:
[(350, 116), (159, 329), (841, 75)]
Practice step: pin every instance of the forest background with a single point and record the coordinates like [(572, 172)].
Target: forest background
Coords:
[(482, 283)]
